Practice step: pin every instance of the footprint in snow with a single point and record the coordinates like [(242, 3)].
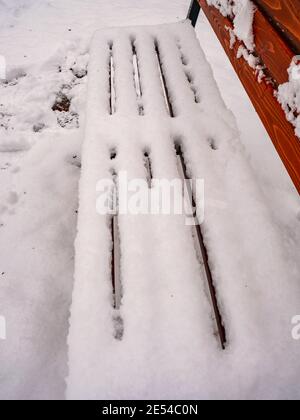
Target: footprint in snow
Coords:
[(73, 160), (15, 170)]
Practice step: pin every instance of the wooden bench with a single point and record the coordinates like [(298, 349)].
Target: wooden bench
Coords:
[(277, 40), (159, 305)]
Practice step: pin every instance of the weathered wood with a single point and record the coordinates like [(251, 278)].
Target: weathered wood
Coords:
[(285, 16), (262, 96)]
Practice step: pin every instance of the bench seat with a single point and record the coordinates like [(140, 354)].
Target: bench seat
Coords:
[(151, 88)]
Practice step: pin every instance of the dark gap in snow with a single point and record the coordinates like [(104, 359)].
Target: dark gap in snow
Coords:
[(196, 96), (62, 106), (68, 119), (113, 174), (5, 120), (13, 76), (113, 261), (137, 78), (112, 90), (199, 235), (163, 82), (113, 153), (148, 166), (189, 77), (188, 74)]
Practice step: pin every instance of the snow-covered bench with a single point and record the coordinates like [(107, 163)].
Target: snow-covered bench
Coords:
[(153, 297)]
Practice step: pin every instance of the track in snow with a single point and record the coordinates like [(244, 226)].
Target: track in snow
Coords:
[(116, 274)]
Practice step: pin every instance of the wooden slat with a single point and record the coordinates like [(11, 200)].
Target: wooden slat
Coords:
[(285, 15), (262, 96), (271, 48)]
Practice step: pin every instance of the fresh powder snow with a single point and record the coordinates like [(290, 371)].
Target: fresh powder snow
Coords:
[(289, 96), (242, 13)]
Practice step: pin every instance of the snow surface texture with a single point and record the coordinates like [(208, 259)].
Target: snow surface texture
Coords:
[(41, 108), (242, 12), (289, 96), (168, 348), (37, 229), (38, 213), (42, 99)]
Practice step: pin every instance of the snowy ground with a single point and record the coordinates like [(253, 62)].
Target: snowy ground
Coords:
[(46, 47)]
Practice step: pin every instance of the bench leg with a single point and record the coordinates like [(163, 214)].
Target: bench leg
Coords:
[(194, 11)]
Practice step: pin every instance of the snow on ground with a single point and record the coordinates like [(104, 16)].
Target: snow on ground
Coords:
[(45, 44), (171, 351), (284, 202)]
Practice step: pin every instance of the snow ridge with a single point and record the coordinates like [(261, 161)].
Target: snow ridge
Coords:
[(168, 349)]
